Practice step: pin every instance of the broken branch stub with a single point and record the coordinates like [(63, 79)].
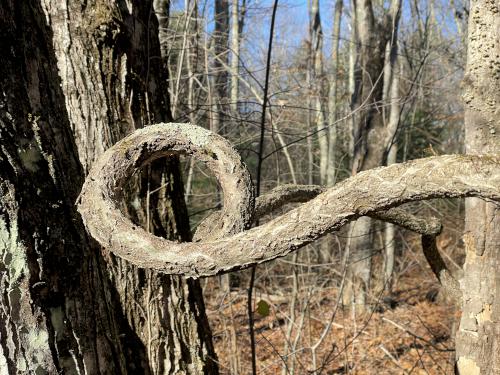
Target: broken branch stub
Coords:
[(362, 195)]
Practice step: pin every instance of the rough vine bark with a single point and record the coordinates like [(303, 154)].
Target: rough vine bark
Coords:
[(429, 228), (361, 195)]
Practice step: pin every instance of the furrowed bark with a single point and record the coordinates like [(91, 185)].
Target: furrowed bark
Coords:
[(113, 83), (56, 315), (361, 195)]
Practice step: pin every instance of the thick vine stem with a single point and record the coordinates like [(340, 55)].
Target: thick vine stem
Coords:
[(364, 194), (286, 194), (446, 278), (143, 146), (429, 228)]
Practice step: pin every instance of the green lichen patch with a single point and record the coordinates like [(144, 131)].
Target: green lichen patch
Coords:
[(12, 252)]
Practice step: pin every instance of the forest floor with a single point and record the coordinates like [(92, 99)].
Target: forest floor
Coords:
[(408, 331)]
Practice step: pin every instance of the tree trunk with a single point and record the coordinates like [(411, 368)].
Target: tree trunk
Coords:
[(370, 134), (51, 321), (477, 341), (141, 321), (391, 95), (235, 55), (316, 65), (332, 97), (353, 80), (221, 61)]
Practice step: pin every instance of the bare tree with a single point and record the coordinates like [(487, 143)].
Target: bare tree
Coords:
[(220, 64), (332, 97), (392, 125), (317, 76), (235, 54)]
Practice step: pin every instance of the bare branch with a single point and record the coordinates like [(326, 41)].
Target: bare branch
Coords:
[(446, 279), (364, 194)]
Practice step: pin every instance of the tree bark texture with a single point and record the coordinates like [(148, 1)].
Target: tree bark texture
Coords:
[(104, 56), (477, 342), (51, 321), (167, 313)]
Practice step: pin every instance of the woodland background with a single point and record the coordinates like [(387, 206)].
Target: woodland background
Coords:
[(308, 93), (219, 61)]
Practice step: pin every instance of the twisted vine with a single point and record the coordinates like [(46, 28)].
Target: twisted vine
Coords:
[(228, 245)]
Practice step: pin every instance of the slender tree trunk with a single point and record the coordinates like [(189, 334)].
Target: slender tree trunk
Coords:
[(353, 82), (192, 60), (477, 341), (332, 97), (370, 133), (390, 229), (310, 154), (392, 98), (221, 61), (316, 36), (235, 55), (360, 263), (390, 233)]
